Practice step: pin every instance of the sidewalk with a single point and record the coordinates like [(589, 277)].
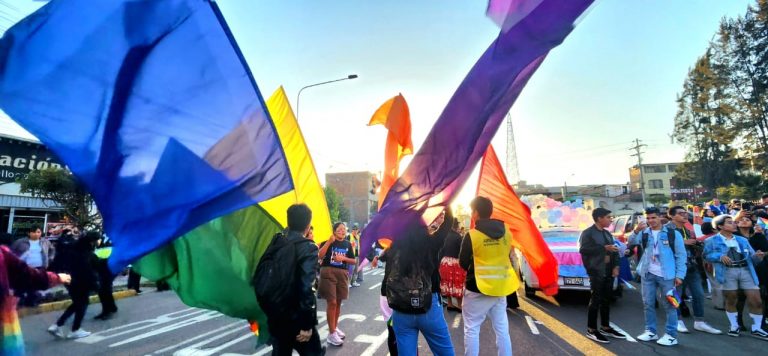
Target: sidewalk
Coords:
[(57, 297)]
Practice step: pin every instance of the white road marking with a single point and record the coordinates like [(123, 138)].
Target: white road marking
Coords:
[(456, 321), (225, 327), (532, 325), (165, 318), (184, 323), (375, 341), (207, 352), (379, 318), (377, 285), (629, 338)]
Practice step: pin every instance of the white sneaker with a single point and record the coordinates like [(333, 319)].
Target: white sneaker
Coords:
[(334, 339), (77, 334), (648, 336), (355, 284), (681, 327), (55, 330), (703, 326), (667, 340), (341, 334)]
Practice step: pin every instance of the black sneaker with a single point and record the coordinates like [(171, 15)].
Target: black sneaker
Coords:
[(597, 336), (760, 334), (734, 332), (613, 333)]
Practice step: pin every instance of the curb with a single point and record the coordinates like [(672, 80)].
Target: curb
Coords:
[(60, 305)]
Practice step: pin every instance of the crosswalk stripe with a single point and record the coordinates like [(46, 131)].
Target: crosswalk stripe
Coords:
[(531, 325)]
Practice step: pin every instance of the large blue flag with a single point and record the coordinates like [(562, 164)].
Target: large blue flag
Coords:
[(151, 105)]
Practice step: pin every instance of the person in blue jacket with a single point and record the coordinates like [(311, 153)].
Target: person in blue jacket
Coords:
[(733, 259)]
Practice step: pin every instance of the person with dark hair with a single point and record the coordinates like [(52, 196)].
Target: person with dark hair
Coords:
[(601, 260), (414, 257), (298, 330), (16, 275), (734, 259), (355, 273), (486, 255), (695, 269), (80, 266), (334, 278), (758, 241), (662, 267), (36, 252), (452, 276)]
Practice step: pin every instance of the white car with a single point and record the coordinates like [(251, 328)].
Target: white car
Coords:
[(563, 242)]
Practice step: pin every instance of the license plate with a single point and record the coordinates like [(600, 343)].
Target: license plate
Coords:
[(573, 281)]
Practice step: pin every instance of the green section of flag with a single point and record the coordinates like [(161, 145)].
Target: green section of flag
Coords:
[(211, 267)]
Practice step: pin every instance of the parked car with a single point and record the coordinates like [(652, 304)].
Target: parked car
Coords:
[(563, 242), (623, 225)]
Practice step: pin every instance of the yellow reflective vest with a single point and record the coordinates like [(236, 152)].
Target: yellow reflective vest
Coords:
[(494, 273)]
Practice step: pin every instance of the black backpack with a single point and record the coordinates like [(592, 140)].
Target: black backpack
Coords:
[(411, 293), (275, 276)]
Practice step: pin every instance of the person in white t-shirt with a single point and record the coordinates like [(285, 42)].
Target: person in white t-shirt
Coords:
[(36, 253), (662, 266)]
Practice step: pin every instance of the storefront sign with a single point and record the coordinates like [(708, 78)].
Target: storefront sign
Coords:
[(18, 158)]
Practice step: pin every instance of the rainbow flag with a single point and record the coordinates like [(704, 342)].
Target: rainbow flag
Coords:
[(12, 343), (763, 222), (211, 266), (164, 123)]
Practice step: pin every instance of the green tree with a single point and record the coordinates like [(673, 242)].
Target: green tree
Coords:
[(336, 205), (62, 187), (704, 125)]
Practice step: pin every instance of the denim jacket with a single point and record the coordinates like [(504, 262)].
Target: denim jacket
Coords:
[(715, 248), (672, 263)]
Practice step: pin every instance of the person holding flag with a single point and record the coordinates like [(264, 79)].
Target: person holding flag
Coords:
[(662, 266)]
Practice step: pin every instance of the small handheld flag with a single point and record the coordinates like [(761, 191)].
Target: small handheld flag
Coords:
[(673, 298)]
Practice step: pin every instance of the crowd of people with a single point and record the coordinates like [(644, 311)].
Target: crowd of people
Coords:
[(681, 253), (473, 273), (64, 252)]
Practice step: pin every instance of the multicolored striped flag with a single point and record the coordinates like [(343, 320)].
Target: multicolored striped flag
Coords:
[(473, 115), (212, 266), (151, 106)]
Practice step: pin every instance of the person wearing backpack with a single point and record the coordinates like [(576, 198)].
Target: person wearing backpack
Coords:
[(284, 287), (336, 254), (694, 250), (661, 267), (413, 288), (486, 255)]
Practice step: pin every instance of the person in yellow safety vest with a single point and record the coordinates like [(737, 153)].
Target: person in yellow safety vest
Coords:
[(486, 253), (355, 275)]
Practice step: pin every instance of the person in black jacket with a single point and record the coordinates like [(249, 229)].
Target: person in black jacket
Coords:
[(79, 263), (601, 259), (298, 331)]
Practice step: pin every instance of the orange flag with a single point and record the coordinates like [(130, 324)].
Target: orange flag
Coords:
[(394, 115), (516, 215)]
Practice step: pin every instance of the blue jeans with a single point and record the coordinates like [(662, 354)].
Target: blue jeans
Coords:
[(692, 281), (431, 324), (651, 283)]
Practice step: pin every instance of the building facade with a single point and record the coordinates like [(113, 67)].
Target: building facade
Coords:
[(658, 178), (18, 157), (358, 193)]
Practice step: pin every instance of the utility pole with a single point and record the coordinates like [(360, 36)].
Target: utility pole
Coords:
[(636, 148)]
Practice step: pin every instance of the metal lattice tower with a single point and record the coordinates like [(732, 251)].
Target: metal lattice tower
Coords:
[(513, 171)]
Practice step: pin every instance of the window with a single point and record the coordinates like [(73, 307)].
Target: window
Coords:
[(672, 167), (656, 184), (655, 169), (619, 225)]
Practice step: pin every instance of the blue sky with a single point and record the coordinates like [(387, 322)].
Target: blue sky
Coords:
[(613, 80)]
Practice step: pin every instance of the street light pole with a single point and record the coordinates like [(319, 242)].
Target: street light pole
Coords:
[(298, 96)]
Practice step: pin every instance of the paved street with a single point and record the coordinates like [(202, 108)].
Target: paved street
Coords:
[(159, 324)]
